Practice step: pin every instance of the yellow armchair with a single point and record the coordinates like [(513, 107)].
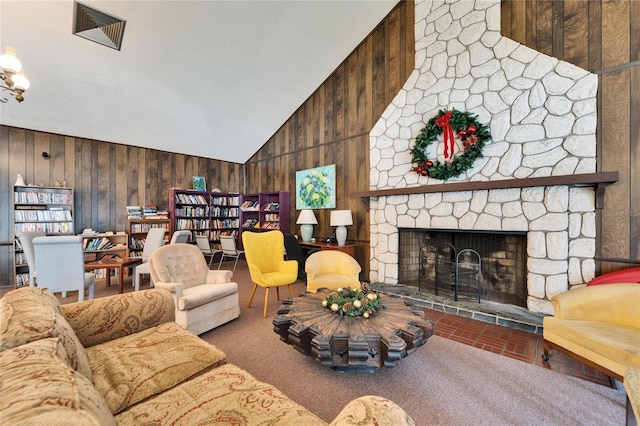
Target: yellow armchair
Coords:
[(332, 269), (597, 325), (265, 258)]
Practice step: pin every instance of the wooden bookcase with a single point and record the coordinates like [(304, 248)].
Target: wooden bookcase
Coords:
[(137, 230), (189, 210), (225, 215), (101, 245), (265, 211), (38, 208), (204, 213)]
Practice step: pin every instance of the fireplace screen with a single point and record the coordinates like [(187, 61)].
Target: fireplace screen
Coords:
[(465, 265)]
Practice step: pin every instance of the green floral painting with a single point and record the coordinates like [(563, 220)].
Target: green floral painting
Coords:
[(315, 188)]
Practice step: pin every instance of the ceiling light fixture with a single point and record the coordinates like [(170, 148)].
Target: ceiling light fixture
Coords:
[(12, 77)]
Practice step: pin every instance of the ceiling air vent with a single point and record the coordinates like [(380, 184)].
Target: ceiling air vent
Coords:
[(98, 26)]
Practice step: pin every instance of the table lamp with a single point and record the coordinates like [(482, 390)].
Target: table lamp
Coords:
[(306, 220), (341, 218)]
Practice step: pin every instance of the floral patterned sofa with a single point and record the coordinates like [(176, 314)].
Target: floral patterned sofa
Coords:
[(123, 360)]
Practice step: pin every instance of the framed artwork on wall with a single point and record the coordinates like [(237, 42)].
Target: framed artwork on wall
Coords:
[(315, 188), (199, 184)]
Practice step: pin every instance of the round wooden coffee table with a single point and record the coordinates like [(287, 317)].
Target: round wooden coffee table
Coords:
[(352, 343)]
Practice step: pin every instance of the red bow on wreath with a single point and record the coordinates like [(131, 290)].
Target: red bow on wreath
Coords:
[(447, 134)]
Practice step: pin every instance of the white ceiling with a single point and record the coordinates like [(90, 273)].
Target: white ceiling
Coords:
[(208, 78)]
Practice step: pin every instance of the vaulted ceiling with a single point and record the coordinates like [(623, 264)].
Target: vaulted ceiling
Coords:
[(208, 78)]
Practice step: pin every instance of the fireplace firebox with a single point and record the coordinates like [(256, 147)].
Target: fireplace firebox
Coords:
[(472, 265)]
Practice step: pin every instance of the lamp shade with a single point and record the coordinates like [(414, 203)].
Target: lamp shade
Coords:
[(341, 218), (307, 217), (20, 82), (9, 62)]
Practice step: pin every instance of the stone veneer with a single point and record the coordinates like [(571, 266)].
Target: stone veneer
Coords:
[(542, 116)]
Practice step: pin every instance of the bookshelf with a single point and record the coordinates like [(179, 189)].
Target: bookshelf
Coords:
[(38, 208), (225, 215), (265, 211), (189, 210), (137, 229), (98, 246)]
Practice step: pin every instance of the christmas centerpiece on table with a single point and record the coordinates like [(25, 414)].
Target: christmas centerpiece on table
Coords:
[(353, 302), (463, 137)]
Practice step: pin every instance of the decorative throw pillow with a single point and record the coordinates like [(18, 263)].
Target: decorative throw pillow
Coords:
[(27, 315), (39, 387)]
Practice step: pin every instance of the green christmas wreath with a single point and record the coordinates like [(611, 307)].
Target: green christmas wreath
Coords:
[(450, 123)]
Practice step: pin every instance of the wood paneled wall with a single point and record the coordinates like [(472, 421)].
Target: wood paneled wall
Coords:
[(332, 126), (604, 38), (105, 177)]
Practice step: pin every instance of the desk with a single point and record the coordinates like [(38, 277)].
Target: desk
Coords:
[(350, 249), (118, 263)]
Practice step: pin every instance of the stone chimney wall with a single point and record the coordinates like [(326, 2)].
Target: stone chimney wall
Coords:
[(542, 116)]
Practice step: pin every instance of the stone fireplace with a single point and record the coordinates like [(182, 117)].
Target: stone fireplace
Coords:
[(542, 116)]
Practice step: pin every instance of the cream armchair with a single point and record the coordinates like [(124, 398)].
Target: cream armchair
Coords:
[(204, 298), (331, 269)]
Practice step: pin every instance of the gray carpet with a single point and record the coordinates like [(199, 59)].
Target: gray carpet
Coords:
[(442, 383)]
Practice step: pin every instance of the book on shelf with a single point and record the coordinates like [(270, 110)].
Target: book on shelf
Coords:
[(251, 223), (134, 212), (182, 198), (250, 205), (274, 206), (150, 210)]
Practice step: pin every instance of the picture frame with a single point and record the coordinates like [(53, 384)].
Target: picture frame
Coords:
[(316, 188), (199, 183)]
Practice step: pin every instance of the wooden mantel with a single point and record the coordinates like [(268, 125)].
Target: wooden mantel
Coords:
[(599, 180)]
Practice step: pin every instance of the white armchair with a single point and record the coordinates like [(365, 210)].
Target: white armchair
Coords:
[(204, 298), (60, 261)]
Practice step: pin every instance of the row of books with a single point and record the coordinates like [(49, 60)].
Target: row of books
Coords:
[(272, 217), (250, 205), (192, 211), (274, 206), (29, 197), (192, 223), (145, 227), (251, 223), (215, 235), (42, 215), (22, 279), (48, 227), (102, 243), (146, 211), (225, 201), (225, 212), (226, 223), (21, 258), (271, 225), (191, 199)]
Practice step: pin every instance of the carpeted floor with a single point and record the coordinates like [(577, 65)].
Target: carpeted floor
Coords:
[(442, 383)]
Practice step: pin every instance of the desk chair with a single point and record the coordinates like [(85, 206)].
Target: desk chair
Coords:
[(26, 241), (155, 239), (60, 260), (229, 250), (205, 247), (265, 257), (295, 252)]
